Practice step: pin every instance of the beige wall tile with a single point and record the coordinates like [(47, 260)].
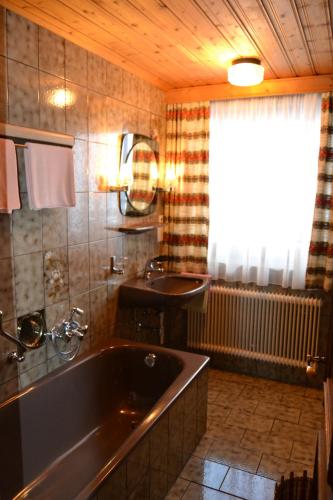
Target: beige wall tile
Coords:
[(27, 229), (78, 220), (76, 63), (52, 102), (77, 111), (29, 289), (51, 53), (56, 275), (78, 259), (7, 298), (54, 227), (81, 166), (22, 39), (23, 94)]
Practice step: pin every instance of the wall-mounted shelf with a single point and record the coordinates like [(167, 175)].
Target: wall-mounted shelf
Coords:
[(135, 229)]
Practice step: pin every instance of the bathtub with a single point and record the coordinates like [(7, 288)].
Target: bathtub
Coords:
[(105, 427)]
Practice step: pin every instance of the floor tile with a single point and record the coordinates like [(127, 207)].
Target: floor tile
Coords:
[(294, 432), (203, 446), (264, 442), (277, 410), (302, 402), (225, 452), (247, 420), (237, 403), (257, 430), (217, 428), (204, 472), (230, 389), (261, 394), (249, 486), (197, 492), (212, 395), (219, 411), (303, 454), (314, 393), (178, 489), (274, 468), (284, 388), (312, 419), (214, 385)]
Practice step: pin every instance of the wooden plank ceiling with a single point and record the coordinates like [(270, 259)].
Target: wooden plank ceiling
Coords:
[(184, 43)]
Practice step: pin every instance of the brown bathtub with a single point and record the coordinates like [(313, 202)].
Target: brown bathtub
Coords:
[(66, 436)]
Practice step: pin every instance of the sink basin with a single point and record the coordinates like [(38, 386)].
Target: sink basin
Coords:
[(174, 284), (163, 291)]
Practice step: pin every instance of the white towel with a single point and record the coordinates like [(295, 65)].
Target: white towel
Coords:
[(9, 191), (50, 176)]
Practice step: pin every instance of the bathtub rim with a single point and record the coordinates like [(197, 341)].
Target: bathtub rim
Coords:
[(192, 363)]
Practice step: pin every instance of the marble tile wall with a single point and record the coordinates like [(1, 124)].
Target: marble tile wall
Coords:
[(54, 259)]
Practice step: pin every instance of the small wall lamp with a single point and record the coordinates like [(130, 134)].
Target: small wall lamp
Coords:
[(246, 71)]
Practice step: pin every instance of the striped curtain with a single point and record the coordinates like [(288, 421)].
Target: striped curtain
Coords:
[(319, 272), (185, 241), (144, 160)]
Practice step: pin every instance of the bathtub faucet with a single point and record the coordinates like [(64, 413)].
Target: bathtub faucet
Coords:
[(17, 355), (66, 330)]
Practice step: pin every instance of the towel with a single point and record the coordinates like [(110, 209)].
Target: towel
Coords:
[(9, 190), (50, 176)]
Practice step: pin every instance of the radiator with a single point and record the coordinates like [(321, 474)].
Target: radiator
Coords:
[(261, 325)]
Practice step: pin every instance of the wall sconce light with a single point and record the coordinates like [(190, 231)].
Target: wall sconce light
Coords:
[(167, 184), (246, 71), (122, 180)]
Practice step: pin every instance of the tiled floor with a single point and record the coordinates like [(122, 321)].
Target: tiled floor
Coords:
[(257, 430)]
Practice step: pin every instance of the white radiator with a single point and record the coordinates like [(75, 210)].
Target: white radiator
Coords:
[(260, 325)]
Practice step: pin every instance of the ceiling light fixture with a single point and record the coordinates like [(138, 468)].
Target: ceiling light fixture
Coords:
[(246, 71)]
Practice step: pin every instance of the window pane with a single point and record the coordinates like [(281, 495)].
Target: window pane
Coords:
[(263, 170)]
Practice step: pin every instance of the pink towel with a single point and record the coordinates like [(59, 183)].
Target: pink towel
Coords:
[(50, 176), (9, 191)]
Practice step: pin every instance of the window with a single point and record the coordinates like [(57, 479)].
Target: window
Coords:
[(263, 177)]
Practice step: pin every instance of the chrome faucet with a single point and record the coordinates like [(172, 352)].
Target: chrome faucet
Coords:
[(153, 266), (31, 334), (66, 330), (17, 355)]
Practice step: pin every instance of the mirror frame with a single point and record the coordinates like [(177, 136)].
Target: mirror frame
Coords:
[(125, 206)]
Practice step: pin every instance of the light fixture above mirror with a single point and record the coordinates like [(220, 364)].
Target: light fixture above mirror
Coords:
[(246, 71)]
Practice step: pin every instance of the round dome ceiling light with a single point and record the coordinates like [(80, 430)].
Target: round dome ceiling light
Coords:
[(246, 71)]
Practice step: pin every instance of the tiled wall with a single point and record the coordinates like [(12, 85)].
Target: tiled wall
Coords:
[(54, 259)]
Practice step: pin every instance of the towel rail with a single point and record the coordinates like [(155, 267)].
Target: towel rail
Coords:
[(37, 135)]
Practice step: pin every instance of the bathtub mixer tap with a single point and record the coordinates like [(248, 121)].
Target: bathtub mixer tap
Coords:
[(31, 334), (66, 330), (67, 335), (17, 355)]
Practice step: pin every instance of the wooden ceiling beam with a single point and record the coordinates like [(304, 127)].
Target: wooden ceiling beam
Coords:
[(281, 86)]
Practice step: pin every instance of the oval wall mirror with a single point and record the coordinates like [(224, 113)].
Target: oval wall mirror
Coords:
[(139, 165)]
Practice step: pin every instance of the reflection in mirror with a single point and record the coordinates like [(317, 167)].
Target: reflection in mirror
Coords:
[(139, 166)]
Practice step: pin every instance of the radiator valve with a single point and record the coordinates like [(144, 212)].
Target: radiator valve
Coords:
[(312, 364)]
